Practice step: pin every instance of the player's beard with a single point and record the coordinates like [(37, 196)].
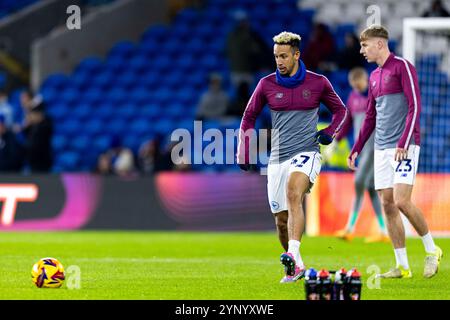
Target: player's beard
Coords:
[(287, 71)]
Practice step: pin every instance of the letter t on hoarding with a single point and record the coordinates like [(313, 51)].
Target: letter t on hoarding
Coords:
[(10, 195)]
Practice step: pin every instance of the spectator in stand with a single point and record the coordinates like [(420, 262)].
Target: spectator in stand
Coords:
[(213, 103), (246, 51), (11, 151), (28, 101), (349, 57), (38, 131), (148, 157), (237, 106), (6, 110), (118, 160), (437, 9), (173, 159), (319, 49)]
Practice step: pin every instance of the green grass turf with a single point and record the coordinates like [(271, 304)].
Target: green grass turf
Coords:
[(184, 265)]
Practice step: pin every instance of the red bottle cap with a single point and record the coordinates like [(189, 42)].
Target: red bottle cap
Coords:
[(324, 273), (355, 274)]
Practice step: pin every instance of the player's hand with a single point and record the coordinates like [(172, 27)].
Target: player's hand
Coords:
[(324, 138), (400, 154), (352, 161)]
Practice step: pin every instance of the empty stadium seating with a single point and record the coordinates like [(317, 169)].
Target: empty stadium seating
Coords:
[(140, 90)]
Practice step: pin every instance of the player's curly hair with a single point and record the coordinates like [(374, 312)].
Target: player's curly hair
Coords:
[(374, 31), (289, 38)]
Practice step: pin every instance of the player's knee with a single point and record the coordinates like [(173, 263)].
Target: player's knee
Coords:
[(387, 204), (293, 195), (402, 204)]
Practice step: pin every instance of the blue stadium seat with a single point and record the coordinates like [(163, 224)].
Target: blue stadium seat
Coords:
[(339, 78), (80, 143), (116, 96), (128, 111), (80, 80), (59, 143), (213, 15), (133, 141), (157, 33), (69, 127), (187, 17), (186, 96), (151, 112), (139, 95), (162, 63), (69, 95), (187, 124), (140, 126), (117, 126), (137, 62), (149, 46), (92, 94), (82, 111), (163, 95), (103, 80), (123, 49), (210, 63), (115, 64), (164, 126), (58, 112), (92, 127), (175, 110), (90, 65), (194, 46), (102, 143), (68, 161), (126, 80)]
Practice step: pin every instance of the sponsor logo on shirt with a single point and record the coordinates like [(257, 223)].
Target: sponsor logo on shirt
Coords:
[(279, 95), (374, 83), (306, 94)]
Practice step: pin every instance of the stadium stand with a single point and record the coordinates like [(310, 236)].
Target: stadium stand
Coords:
[(136, 91)]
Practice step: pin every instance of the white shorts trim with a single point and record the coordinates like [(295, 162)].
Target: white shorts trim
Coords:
[(389, 172), (278, 174)]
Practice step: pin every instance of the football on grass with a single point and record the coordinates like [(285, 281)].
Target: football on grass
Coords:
[(48, 273)]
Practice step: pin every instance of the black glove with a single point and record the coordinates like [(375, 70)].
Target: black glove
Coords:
[(324, 138), (247, 167)]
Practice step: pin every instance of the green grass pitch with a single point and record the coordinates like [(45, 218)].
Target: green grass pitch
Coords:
[(191, 265)]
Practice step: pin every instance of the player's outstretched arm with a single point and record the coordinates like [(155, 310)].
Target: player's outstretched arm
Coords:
[(338, 109)]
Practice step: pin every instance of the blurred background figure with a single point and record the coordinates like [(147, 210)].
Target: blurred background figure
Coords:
[(11, 151), (6, 109), (37, 132), (349, 56), (213, 103), (246, 51), (117, 160), (437, 9), (364, 176), (320, 48), (237, 106), (148, 157), (173, 161)]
